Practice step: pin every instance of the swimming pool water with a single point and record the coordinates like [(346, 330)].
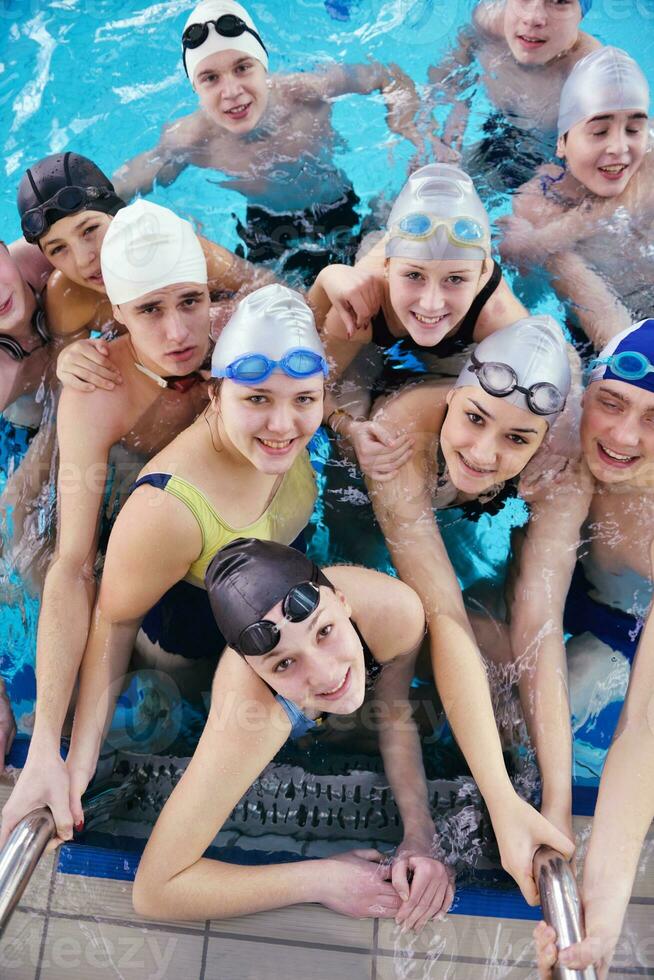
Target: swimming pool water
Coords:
[(102, 77)]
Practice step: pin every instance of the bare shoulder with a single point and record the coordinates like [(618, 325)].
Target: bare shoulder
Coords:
[(387, 611), (531, 201), (96, 418), (185, 133), (297, 86), (587, 43), (69, 307), (488, 18)]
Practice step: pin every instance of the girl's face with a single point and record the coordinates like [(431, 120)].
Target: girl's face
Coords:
[(538, 31), (72, 245), (617, 432), (270, 423), (233, 90), (431, 298), (15, 296), (317, 663), (169, 327), (486, 440), (605, 151)]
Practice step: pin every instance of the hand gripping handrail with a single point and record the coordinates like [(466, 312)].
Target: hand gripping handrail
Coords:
[(562, 909), (29, 838), (20, 856)]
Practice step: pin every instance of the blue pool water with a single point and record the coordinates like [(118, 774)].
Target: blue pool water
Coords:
[(102, 77)]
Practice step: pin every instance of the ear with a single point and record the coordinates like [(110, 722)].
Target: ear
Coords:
[(117, 315), (341, 598), (560, 147), (387, 263), (449, 396)]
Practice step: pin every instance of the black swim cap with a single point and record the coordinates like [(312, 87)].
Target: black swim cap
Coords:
[(248, 577), (50, 175)]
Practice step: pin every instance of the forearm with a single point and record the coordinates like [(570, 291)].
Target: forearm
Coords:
[(105, 664), (68, 596), (402, 104), (600, 312), (624, 812), (215, 890), (544, 698), (402, 757)]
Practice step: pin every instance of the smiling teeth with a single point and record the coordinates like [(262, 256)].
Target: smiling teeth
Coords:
[(429, 319), (618, 456), (338, 686), (614, 168), (238, 108), (276, 445)]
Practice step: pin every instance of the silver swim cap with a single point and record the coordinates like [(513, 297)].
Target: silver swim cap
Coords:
[(438, 215), (526, 364), (607, 80), (273, 325)]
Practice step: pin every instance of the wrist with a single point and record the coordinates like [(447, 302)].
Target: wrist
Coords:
[(45, 739), (340, 422)]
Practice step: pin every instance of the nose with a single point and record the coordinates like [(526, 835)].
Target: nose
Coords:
[(534, 13), (175, 328), (431, 299), (279, 418), (624, 432), (231, 86), (85, 253), (617, 143), (483, 451)]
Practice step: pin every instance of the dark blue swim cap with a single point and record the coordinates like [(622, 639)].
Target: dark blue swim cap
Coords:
[(41, 182), (628, 357)]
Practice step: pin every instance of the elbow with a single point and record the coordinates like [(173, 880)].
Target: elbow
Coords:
[(147, 897)]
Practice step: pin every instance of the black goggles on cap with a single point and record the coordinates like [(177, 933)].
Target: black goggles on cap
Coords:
[(67, 200), (229, 25), (500, 380), (298, 604)]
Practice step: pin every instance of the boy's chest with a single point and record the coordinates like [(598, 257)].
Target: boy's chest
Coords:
[(531, 98), (620, 529), (279, 146)]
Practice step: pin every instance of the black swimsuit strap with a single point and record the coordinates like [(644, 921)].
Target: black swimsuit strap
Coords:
[(469, 322)]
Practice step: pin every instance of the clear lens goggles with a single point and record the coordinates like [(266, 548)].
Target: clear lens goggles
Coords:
[(500, 380), (253, 368), (262, 637), (466, 232), (630, 365)]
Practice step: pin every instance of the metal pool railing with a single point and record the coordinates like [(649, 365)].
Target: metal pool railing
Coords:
[(562, 909)]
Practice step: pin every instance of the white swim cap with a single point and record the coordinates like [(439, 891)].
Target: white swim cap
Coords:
[(206, 13), (530, 353), (607, 80), (148, 247), (271, 322), (438, 215)]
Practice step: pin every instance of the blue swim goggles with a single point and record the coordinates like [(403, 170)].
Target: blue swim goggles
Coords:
[(253, 368), (466, 232), (630, 365)]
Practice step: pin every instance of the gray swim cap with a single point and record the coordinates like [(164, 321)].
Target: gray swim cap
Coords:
[(532, 354), (272, 321), (607, 80), (438, 215)]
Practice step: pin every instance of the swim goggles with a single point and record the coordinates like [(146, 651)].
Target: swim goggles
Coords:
[(466, 232), (297, 605), (227, 26), (15, 349), (253, 368), (630, 365), (500, 380), (34, 222)]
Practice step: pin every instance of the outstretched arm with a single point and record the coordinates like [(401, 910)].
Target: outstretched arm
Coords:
[(404, 510), (545, 562), (599, 311), (162, 164), (68, 596)]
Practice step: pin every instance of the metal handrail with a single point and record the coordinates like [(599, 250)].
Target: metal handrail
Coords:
[(562, 908), (20, 856)]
